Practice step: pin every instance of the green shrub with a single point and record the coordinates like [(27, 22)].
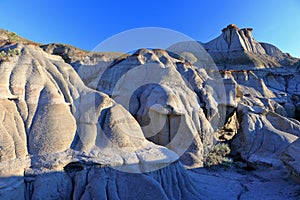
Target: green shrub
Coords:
[(13, 37), (14, 52), (217, 155), (4, 56)]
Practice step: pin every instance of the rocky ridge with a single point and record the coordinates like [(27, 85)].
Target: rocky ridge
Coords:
[(236, 48)]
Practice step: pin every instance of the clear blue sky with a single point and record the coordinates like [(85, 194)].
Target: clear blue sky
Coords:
[(86, 23)]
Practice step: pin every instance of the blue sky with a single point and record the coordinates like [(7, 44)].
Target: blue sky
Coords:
[(87, 23)]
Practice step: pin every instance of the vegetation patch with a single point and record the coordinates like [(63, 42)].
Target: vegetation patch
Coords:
[(13, 37), (217, 155), (6, 55)]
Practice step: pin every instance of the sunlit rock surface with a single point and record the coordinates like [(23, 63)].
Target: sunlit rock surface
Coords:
[(50, 119)]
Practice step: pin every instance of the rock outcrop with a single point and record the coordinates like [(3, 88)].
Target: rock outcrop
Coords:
[(50, 119), (290, 157), (257, 98), (235, 39), (263, 135), (236, 48), (256, 94), (172, 100)]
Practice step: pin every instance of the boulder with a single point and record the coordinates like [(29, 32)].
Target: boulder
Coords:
[(262, 136)]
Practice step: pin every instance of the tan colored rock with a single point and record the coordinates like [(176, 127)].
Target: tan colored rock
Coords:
[(13, 142)]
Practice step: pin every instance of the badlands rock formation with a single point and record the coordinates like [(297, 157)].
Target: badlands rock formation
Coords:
[(258, 115), (268, 88), (172, 100), (87, 125), (291, 159), (63, 140), (236, 48)]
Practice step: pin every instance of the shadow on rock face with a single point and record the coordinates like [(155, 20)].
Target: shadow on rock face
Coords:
[(93, 181)]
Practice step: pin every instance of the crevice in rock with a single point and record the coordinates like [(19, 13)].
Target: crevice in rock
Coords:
[(29, 186), (73, 167), (245, 189), (297, 115)]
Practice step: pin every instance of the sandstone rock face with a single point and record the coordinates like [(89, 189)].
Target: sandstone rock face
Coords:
[(267, 98), (266, 114), (13, 135), (290, 157), (263, 99), (260, 83), (172, 100), (34, 103), (43, 94), (257, 98), (50, 119), (235, 39), (263, 135), (236, 48)]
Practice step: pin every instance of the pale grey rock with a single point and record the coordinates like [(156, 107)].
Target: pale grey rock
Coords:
[(12, 133), (288, 125), (284, 59), (273, 51), (264, 91), (52, 186), (290, 157), (93, 181), (52, 99), (12, 188), (236, 48), (293, 85), (59, 138), (235, 39), (276, 81), (267, 105), (290, 109), (50, 119), (251, 83), (263, 135), (106, 183), (166, 105)]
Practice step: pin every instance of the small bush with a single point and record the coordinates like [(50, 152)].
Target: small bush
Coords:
[(217, 155), (4, 56), (13, 37), (14, 52)]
